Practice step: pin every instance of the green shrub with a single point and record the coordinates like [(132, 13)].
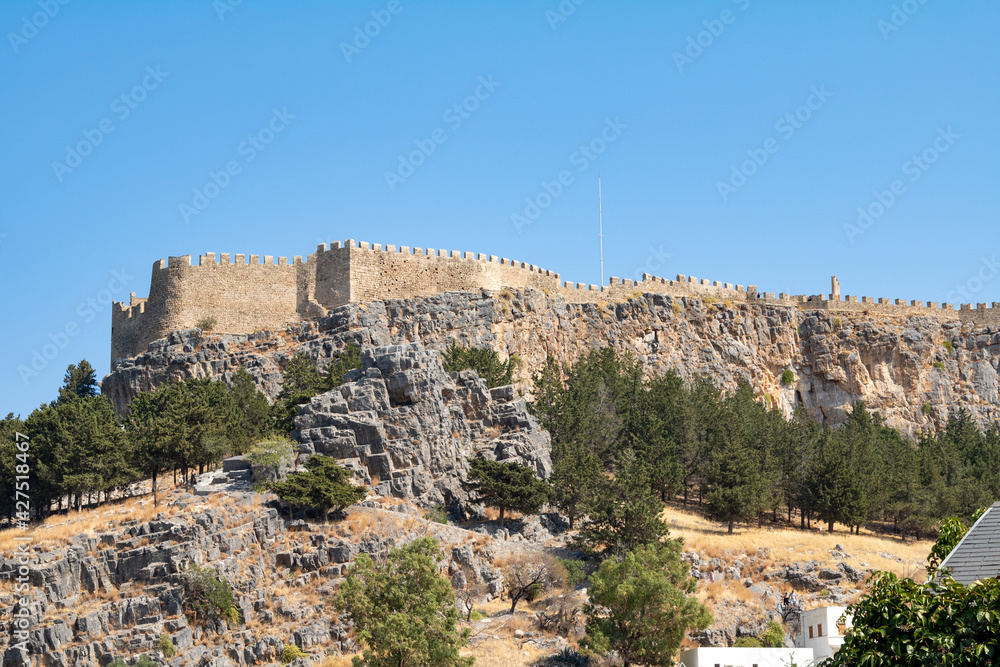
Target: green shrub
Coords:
[(787, 376), (437, 514), (747, 642), (938, 365), (574, 571), (948, 346), (206, 323), (475, 615), (568, 657), (143, 661), (290, 653), (774, 636), (269, 457), (166, 646), (484, 360), (324, 485), (926, 408), (208, 596)]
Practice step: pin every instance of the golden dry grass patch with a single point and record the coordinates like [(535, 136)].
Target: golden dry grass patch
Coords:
[(60, 529), (340, 661), (790, 545), (505, 653)]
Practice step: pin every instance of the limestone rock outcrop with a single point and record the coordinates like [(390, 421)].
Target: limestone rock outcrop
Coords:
[(406, 426), (899, 365)]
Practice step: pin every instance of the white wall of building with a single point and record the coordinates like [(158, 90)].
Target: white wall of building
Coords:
[(822, 631), (708, 656)]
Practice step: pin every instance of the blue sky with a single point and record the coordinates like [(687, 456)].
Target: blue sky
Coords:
[(736, 141)]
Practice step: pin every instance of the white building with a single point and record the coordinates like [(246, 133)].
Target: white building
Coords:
[(823, 630), (710, 656)]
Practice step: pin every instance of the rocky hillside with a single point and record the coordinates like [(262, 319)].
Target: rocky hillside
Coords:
[(113, 587), (108, 583), (916, 371)]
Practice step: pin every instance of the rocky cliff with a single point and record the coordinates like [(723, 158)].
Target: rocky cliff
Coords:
[(915, 370), (408, 428)]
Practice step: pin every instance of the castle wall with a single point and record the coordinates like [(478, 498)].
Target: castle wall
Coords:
[(389, 272), (242, 297), (245, 297), (332, 275), (136, 324)]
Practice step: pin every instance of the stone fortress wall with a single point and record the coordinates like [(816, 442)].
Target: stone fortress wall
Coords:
[(244, 297)]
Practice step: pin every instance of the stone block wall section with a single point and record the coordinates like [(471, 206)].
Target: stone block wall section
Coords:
[(247, 296)]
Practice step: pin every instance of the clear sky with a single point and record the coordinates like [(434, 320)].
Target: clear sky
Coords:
[(736, 139)]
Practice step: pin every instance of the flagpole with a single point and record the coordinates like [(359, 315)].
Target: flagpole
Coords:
[(600, 216)]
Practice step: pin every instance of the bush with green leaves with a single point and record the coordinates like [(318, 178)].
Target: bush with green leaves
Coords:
[(206, 323), (950, 533), (747, 642), (505, 486), (166, 646), (437, 514), (642, 605), (300, 381), (143, 661), (787, 377), (485, 361), (902, 623), (403, 609), (268, 458), (290, 653), (575, 573), (774, 636), (208, 596)]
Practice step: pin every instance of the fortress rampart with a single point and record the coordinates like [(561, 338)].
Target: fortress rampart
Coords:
[(246, 296)]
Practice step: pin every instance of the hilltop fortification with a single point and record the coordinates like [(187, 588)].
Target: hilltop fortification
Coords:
[(248, 296)]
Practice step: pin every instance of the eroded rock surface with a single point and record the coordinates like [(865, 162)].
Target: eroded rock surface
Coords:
[(898, 365), (406, 426)]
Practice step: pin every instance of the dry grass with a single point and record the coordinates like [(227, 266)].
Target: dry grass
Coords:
[(338, 661), (58, 530), (501, 653), (790, 545), (307, 595)]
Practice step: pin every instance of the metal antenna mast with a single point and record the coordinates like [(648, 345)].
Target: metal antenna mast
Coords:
[(600, 216)]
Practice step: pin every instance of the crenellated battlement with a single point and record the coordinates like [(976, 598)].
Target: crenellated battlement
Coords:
[(242, 293)]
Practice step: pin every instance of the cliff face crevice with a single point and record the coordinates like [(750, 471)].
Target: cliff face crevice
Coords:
[(900, 366)]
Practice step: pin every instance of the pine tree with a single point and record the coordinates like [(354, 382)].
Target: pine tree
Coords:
[(324, 485), (80, 381), (484, 360), (625, 512), (253, 412), (505, 486), (741, 473), (10, 426), (576, 475)]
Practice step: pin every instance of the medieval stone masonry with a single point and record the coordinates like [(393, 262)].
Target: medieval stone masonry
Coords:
[(244, 296)]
